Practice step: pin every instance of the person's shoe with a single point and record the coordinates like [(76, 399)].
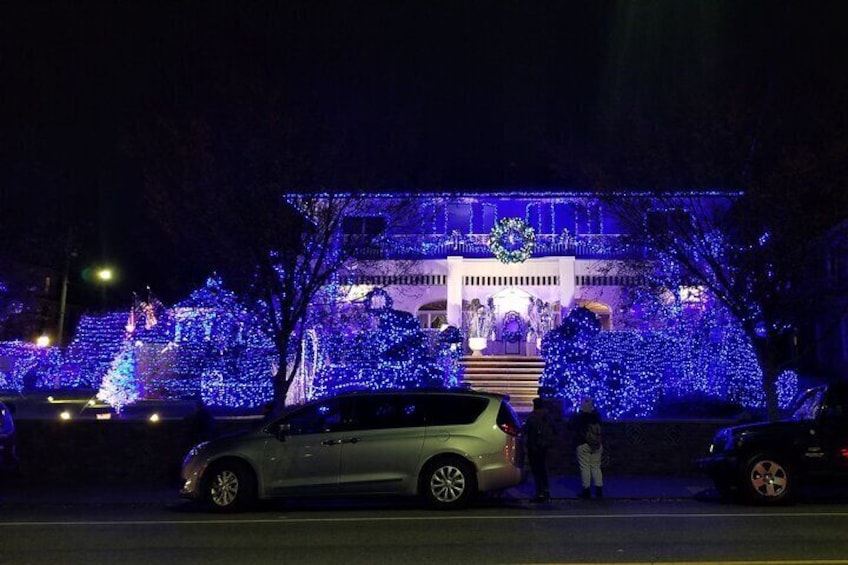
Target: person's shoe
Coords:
[(599, 492), (585, 493)]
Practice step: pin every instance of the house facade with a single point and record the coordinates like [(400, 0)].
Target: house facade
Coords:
[(504, 268)]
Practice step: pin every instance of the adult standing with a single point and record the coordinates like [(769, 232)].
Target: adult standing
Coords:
[(539, 433), (586, 424)]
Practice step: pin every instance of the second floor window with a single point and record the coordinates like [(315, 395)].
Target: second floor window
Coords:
[(364, 225)]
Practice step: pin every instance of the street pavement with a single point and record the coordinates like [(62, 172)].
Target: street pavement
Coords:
[(17, 492)]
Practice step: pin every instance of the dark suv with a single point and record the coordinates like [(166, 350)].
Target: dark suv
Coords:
[(8, 455), (765, 462)]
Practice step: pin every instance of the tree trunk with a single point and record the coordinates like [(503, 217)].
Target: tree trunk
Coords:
[(282, 382), (766, 355)]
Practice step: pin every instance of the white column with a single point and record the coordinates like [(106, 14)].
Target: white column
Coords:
[(566, 281), (454, 283)]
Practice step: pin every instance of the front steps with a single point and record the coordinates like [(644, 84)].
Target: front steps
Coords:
[(513, 375)]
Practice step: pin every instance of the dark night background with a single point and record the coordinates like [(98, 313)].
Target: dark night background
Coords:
[(509, 94)]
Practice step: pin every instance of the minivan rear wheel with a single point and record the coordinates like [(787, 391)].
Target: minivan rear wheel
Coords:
[(230, 486), (449, 483)]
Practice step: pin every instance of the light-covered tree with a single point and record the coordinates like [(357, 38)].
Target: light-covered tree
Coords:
[(238, 185), (119, 387)]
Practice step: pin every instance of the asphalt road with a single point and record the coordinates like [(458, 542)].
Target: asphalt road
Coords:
[(398, 531)]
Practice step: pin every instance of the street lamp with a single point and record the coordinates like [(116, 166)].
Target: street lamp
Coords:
[(103, 276)]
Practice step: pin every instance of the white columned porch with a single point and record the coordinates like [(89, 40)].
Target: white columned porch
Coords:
[(454, 291)]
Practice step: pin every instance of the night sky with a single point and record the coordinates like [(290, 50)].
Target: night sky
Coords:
[(509, 94)]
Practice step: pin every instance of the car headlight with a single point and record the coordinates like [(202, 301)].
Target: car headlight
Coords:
[(723, 441)]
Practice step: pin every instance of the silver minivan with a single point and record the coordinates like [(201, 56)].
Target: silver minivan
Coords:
[(445, 446)]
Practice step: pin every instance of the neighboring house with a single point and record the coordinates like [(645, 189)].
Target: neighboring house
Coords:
[(828, 336), (29, 300)]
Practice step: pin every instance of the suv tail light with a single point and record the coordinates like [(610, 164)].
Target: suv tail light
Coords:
[(508, 421)]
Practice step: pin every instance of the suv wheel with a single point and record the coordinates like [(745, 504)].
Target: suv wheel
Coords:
[(449, 483), (230, 486), (767, 480)]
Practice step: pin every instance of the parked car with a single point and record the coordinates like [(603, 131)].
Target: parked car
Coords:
[(766, 462), (445, 446), (8, 448)]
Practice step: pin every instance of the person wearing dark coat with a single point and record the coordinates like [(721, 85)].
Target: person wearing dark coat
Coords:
[(538, 432), (586, 424)]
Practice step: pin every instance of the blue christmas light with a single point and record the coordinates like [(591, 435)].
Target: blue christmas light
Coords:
[(630, 372), (391, 351)]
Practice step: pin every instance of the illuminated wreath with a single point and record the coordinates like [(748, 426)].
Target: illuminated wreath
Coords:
[(512, 240), (513, 327), (378, 300)]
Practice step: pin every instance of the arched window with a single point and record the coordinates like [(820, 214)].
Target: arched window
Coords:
[(433, 314)]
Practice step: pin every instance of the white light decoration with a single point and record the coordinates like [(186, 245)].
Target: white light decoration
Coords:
[(692, 294)]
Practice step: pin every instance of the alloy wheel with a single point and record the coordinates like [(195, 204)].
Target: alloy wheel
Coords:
[(447, 484), (769, 478), (224, 489)]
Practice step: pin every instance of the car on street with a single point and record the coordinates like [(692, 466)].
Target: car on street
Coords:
[(445, 446), (766, 462), (8, 447)]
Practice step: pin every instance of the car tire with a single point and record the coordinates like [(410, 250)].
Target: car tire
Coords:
[(767, 479), (230, 486), (449, 483)]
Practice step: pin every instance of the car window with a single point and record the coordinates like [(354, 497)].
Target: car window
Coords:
[(321, 417), (837, 402), (389, 411), (444, 410), (807, 406)]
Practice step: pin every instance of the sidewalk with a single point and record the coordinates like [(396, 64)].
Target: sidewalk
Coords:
[(14, 491), (629, 487)]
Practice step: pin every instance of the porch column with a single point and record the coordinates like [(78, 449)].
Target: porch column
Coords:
[(566, 281), (454, 291)]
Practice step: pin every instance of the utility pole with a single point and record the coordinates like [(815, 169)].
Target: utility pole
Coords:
[(70, 252)]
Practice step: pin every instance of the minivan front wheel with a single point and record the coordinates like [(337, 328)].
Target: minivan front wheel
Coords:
[(230, 486), (449, 483), (767, 480)]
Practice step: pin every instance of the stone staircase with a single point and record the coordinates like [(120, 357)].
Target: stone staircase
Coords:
[(513, 375)]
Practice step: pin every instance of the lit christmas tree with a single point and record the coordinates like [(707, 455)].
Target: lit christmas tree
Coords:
[(120, 387)]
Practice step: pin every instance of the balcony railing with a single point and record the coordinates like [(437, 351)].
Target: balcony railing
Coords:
[(474, 246)]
